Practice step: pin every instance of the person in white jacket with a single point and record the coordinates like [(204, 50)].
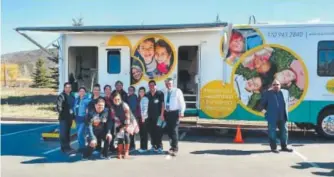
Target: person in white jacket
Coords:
[(141, 116)]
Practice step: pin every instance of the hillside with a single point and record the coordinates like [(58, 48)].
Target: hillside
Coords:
[(26, 60)]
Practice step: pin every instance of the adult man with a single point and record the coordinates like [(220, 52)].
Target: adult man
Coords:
[(64, 107), (156, 109), (100, 126), (275, 102), (120, 90), (174, 109)]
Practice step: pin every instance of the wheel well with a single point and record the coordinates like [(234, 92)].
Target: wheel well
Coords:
[(331, 106)]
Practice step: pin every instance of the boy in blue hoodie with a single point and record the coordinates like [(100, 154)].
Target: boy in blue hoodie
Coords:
[(132, 101)]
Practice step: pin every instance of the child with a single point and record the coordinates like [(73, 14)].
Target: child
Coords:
[(146, 51), (132, 101), (245, 88), (163, 53), (294, 73)]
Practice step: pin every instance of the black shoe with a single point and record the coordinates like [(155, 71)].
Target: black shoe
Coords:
[(274, 151), (285, 149)]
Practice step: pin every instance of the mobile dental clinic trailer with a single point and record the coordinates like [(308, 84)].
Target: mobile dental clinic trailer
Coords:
[(222, 70)]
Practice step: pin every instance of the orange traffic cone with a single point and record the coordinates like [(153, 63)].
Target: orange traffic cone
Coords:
[(238, 136)]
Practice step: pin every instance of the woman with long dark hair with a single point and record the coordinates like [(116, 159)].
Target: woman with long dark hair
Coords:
[(125, 125)]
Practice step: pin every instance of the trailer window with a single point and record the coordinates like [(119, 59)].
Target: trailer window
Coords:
[(114, 62), (325, 58)]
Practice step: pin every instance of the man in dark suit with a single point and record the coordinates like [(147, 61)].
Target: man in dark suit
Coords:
[(275, 103)]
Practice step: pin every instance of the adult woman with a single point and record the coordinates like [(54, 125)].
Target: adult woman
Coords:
[(107, 97), (123, 118), (80, 111), (141, 115)]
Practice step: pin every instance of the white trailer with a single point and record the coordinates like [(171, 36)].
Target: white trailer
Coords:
[(222, 70)]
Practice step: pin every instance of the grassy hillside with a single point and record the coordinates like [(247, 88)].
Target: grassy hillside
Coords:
[(26, 62)]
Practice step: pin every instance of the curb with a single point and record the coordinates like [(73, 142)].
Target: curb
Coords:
[(25, 119)]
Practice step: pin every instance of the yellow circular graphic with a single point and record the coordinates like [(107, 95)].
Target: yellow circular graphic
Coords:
[(218, 100), (330, 86), (137, 71), (158, 56), (119, 40), (254, 73), (243, 38)]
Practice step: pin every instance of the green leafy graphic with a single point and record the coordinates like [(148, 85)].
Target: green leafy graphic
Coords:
[(280, 60)]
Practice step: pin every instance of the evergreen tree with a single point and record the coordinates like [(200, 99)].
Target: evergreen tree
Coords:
[(54, 75), (40, 76)]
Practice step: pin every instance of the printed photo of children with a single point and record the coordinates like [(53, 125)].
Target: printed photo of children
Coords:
[(157, 56), (241, 41), (257, 71)]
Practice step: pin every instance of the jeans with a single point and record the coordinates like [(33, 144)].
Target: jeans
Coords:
[(100, 136), (283, 129), (172, 120), (81, 133), (65, 134)]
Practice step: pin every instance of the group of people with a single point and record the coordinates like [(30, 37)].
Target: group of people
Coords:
[(110, 122)]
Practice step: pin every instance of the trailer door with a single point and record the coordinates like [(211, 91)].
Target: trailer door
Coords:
[(114, 65)]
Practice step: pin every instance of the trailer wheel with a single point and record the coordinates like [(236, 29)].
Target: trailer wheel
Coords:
[(325, 126)]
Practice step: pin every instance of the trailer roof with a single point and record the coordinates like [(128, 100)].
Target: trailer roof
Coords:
[(121, 28)]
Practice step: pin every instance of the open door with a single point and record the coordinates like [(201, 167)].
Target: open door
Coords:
[(115, 65)]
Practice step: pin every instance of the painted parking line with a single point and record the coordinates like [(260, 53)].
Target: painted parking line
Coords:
[(57, 149), (28, 130), (183, 135), (304, 158)]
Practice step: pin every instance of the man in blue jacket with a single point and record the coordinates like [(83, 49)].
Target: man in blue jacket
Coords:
[(275, 102)]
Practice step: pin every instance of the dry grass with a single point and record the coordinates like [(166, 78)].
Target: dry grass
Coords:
[(28, 102)]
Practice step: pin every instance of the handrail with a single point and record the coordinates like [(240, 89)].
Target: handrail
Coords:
[(250, 18)]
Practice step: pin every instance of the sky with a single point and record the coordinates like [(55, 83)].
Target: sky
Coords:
[(24, 13)]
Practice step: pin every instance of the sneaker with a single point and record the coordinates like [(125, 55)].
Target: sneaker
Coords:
[(142, 150), (160, 151), (152, 149), (172, 152), (105, 157)]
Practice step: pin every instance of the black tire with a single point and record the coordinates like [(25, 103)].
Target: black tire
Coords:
[(319, 128)]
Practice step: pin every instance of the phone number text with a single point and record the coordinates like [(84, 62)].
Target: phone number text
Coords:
[(286, 34)]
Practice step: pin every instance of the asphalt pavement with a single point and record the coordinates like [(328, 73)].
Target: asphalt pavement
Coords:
[(203, 153)]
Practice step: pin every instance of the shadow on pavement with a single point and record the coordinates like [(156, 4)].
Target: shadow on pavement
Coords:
[(296, 139), (331, 173), (53, 159), (323, 165), (230, 152)]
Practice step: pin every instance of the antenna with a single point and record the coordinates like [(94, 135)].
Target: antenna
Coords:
[(250, 18)]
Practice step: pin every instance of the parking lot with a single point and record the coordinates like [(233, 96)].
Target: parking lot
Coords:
[(202, 154)]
